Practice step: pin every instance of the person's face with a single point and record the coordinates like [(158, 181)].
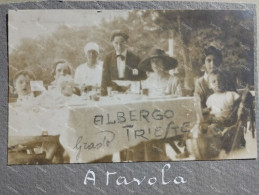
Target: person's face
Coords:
[(215, 83), (62, 69), (211, 63), (92, 57), (157, 65), (22, 85), (67, 89), (119, 44)]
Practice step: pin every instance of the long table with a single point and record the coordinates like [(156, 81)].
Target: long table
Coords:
[(90, 130)]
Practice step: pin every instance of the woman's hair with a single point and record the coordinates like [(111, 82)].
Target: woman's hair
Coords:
[(225, 79), (61, 61), (211, 50), (24, 73)]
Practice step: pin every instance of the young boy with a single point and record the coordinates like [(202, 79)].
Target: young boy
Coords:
[(222, 106), (221, 102), (22, 86)]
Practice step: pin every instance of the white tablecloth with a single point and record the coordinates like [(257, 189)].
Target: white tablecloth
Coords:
[(87, 130)]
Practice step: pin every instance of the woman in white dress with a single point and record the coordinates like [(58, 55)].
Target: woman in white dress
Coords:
[(159, 81)]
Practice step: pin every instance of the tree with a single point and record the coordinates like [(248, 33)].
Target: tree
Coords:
[(232, 31)]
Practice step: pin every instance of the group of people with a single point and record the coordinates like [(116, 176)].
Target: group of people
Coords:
[(120, 64), (215, 89), (220, 106)]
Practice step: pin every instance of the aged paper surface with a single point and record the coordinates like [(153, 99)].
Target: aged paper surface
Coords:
[(130, 85)]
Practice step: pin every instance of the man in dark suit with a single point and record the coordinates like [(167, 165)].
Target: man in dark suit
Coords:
[(120, 64)]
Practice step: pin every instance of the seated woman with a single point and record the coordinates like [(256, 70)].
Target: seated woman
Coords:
[(218, 129), (159, 81), (62, 68)]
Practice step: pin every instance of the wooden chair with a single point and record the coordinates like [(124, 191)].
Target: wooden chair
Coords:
[(208, 145)]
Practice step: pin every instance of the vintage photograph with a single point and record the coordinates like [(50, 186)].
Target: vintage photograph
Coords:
[(88, 86)]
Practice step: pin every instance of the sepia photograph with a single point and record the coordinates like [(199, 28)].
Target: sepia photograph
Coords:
[(90, 86)]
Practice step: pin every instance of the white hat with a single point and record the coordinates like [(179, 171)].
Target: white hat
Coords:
[(91, 46)]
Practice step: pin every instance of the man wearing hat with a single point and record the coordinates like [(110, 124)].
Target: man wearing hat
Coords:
[(120, 64), (89, 73)]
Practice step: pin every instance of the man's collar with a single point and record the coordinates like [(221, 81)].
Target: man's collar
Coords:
[(205, 76), (123, 53)]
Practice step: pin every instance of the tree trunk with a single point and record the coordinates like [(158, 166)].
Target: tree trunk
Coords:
[(188, 80)]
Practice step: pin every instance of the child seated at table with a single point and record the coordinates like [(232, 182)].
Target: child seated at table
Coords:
[(63, 94), (221, 103), (219, 127), (22, 86), (66, 85)]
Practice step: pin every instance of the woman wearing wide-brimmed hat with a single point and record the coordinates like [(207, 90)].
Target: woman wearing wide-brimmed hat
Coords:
[(159, 81)]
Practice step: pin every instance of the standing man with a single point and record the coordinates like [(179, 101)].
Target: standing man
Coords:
[(89, 73), (120, 64)]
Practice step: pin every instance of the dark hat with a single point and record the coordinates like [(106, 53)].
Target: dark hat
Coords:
[(169, 62), (119, 32)]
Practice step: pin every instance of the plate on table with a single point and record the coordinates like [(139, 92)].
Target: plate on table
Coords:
[(123, 83)]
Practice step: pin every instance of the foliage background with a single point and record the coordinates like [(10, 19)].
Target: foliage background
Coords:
[(231, 31)]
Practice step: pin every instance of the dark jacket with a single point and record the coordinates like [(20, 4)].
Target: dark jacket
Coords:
[(110, 71), (202, 91)]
